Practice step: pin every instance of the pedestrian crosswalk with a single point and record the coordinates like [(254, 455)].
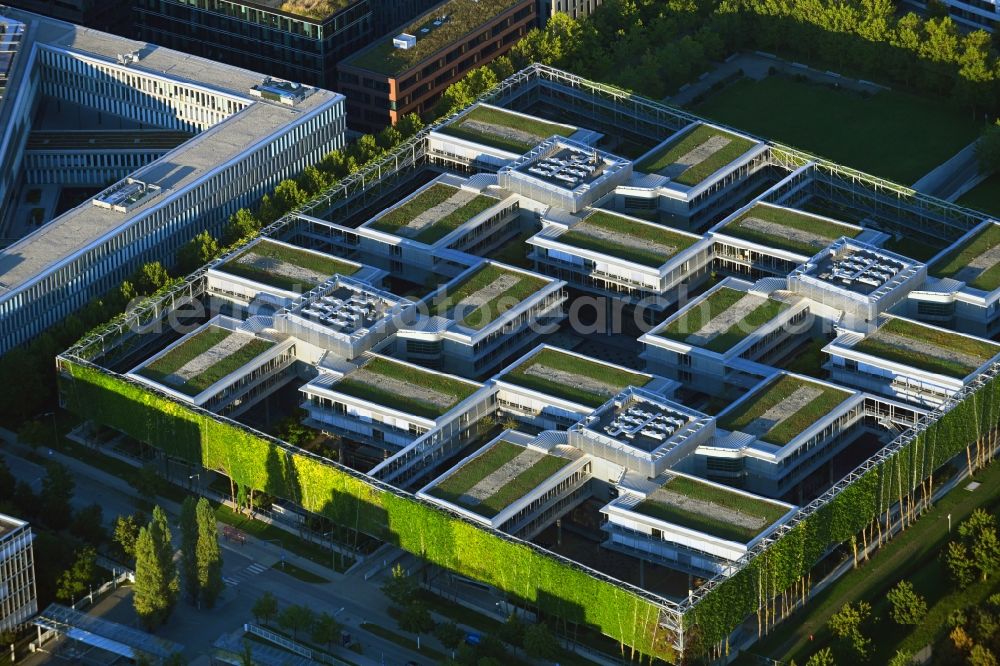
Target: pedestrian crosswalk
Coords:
[(242, 575)]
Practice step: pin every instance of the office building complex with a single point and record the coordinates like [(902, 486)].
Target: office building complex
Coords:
[(407, 72), (107, 15), (18, 602), (975, 14), (239, 133)]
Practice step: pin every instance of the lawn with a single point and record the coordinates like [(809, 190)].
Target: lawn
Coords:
[(703, 311), (403, 641), (482, 114), (300, 573), (792, 219), (696, 173), (327, 266), (557, 360), (481, 315), (726, 501), (984, 197), (647, 255), (876, 345), (773, 393), (472, 472), (961, 256), (894, 135), (160, 369), (452, 386), (433, 196)]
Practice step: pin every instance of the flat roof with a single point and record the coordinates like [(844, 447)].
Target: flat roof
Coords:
[(203, 358), (975, 262), (638, 422), (346, 309), (862, 270), (721, 319), (485, 294), (573, 377), (463, 16), (927, 348), (433, 213), (495, 478), (782, 409), (632, 240), (405, 388), (286, 267), (503, 129), (693, 156), (9, 524), (711, 509), (565, 166), (788, 229)]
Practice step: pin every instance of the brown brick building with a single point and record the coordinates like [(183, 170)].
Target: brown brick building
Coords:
[(407, 70)]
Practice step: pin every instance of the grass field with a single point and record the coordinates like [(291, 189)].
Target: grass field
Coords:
[(945, 340), (790, 218), (456, 388), (533, 126), (984, 197), (696, 173), (894, 135), (648, 255), (557, 360), (702, 312), (434, 195), (960, 257), (481, 315), (327, 266)]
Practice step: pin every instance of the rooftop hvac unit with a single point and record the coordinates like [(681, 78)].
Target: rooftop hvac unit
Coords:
[(404, 41)]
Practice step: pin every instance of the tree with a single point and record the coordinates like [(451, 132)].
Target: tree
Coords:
[(57, 492), (150, 278), (822, 658), (150, 592), (978, 533), (127, 531), (197, 252), (409, 125), (325, 630), (400, 588), (901, 658), (540, 643), (389, 137), (981, 656), (209, 555), (189, 548), (956, 558), (295, 618), (846, 623), (242, 224), (312, 180), (908, 607), (449, 634), (512, 631), (415, 618), (264, 608), (88, 524), (147, 482), (76, 581), (988, 149)]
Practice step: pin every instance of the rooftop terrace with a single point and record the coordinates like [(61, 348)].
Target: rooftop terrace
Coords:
[(405, 388), (463, 16), (571, 377), (722, 319), (503, 129), (783, 409), (433, 213), (486, 294), (204, 358), (788, 229), (697, 154), (711, 509), (494, 479), (975, 262), (286, 267), (927, 348), (632, 240)]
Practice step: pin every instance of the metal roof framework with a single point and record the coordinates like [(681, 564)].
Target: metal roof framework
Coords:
[(105, 635)]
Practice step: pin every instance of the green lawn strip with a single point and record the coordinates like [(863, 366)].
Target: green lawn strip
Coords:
[(787, 218), (193, 347), (456, 388), (299, 572), (472, 472), (401, 640), (533, 126), (520, 485), (696, 521), (796, 423), (904, 557), (616, 377), (455, 219), (871, 133), (705, 310), (493, 308), (913, 248), (514, 252), (435, 195), (620, 226), (945, 340), (984, 197), (961, 256), (673, 151), (759, 316), (327, 266), (233, 362)]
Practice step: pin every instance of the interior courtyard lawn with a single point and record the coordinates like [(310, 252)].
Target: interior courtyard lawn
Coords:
[(892, 134), (984, 197)]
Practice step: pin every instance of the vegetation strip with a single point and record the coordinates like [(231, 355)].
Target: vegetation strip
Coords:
[(696, 173), (569, 363), (442, 384), (483, 314), (656, 239), (773, 393), (702, 312), (957, 261), (325, 266), (471, 127), (827, 229), (938, 351)]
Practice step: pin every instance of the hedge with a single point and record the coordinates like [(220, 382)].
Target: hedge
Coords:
[(361, 503)]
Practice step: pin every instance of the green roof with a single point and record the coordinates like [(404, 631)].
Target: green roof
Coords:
[(275, 255), (701, 312), (395, 220), (314, 9), (464, 16), (798, 232), (165, 368), (502, 289), (576, 379), (642, 243), (682, 146), (787, 426), (958, 263), (712, 510), (451, 389), (457, 484), (486, 125), (930, 349)]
